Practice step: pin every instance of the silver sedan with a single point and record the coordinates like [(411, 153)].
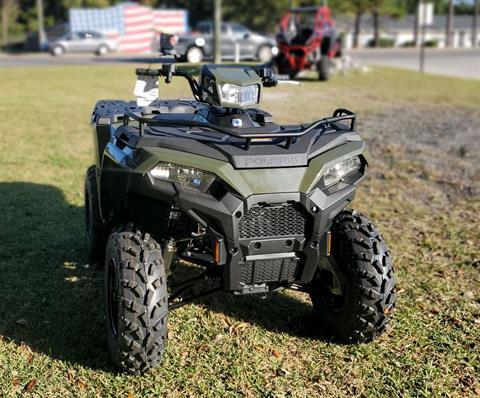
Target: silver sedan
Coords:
[(77, 42)]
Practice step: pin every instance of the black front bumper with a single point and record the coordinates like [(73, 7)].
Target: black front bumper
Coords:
[(266, 241)]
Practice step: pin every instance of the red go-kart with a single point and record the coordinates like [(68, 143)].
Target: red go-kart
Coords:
[(307, 40)]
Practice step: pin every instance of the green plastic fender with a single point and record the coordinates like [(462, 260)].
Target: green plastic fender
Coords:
[(257, 181)]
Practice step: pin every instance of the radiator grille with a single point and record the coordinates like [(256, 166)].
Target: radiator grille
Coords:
[(273, 221), (278, 270)]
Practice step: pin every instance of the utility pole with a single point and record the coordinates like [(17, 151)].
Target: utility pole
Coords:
[(475, 23), (448, 28), (416, 29), (422, 14), (41, 29), (217, 31)]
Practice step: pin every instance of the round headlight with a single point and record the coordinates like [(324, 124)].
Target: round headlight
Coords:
[(200, 41)]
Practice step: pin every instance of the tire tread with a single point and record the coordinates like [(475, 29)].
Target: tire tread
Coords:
[(373, 281), (143, 303)]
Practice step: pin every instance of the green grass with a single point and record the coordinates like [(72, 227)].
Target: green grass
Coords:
[(51, 322)]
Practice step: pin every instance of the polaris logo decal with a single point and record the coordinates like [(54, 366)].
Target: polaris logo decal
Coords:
[(270, 161)]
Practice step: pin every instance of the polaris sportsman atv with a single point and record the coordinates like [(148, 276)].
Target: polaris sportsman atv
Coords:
[(216, 182)]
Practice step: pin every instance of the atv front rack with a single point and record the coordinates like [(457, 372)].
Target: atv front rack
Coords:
[(340, 115)]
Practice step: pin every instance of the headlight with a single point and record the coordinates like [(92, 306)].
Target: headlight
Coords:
[(200, 41), (275, 50), (239, 95), (188, 177), (336, 172)]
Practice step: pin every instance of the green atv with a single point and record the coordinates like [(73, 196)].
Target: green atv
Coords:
[(216, 182)]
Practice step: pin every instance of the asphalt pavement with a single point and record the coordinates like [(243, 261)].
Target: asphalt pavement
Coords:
[(42, 59), (451, 62)]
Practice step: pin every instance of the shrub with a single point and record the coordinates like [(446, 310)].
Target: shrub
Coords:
[(383, 42)]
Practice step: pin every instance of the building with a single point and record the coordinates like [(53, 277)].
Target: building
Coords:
[(401, 32)]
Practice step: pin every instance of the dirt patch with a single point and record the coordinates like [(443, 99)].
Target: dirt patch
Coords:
[(439, 145)]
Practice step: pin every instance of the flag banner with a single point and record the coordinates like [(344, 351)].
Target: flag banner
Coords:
[(135, 26)]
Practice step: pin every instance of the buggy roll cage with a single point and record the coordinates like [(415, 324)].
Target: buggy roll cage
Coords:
[(268, 78), (322, 15)]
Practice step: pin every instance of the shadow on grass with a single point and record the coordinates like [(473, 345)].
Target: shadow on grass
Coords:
[(51, 300), (277, 312)]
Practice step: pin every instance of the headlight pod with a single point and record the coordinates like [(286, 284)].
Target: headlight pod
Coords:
[(239, 95), (188, 177), (335, 173)]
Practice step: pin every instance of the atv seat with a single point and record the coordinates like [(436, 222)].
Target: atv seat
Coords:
[(302, 37)]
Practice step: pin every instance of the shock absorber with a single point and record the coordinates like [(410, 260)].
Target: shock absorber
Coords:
[(170, 247)]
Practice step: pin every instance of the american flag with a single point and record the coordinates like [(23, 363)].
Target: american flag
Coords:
[(139, 29), (136, 26), (170, 21)]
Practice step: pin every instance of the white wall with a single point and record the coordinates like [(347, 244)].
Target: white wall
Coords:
[(461, 38)]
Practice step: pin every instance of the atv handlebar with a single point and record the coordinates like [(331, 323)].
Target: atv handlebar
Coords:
[(271, 79), (268, 77), (168, 71)]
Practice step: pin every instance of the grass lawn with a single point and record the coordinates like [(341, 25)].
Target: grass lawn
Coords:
[(424, 198)]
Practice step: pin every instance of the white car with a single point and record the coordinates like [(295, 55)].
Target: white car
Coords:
[(77, 42)]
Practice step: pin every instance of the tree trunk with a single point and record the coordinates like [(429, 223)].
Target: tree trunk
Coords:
[(42, 39), (356, 31), (448, 28), (376, 29), (475, 24), (5, 20)]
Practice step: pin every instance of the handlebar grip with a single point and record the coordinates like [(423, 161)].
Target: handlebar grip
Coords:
[(147, 72)]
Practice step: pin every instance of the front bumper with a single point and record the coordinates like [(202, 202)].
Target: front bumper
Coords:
[(265, 241)]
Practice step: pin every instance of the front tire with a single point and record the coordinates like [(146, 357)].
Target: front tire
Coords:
[(264, 54), (58, 50), (354, 296), (102, 50), (136, 300)]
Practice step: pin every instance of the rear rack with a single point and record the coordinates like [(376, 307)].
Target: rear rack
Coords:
[(339, 115)]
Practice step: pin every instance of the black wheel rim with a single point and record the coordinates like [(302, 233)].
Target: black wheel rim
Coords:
[(333, 287), (112, 298)]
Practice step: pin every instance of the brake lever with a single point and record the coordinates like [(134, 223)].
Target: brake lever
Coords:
[(270, 79), (285, 79), (292, 82)]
